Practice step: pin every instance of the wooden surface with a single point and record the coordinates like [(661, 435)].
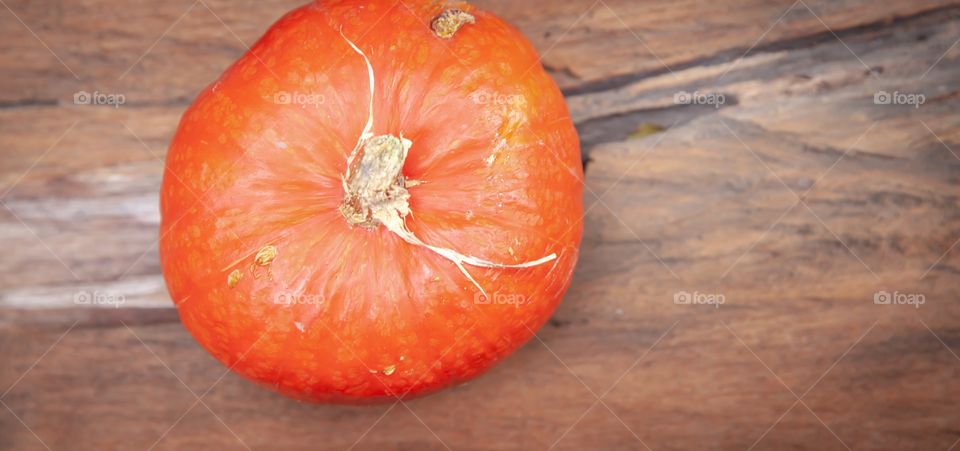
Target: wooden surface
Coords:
[(796, 200)]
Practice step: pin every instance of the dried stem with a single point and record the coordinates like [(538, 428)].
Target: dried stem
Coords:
[(375, 192)]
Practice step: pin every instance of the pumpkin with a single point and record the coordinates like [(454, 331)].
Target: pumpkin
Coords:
[(378, 200)]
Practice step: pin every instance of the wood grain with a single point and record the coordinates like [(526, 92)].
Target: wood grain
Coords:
[(798, 200)]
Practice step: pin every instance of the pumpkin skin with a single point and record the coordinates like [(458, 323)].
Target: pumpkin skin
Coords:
[(271, 279)]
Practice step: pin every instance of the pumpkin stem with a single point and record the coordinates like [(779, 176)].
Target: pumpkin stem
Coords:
[(375, 181), (375, 191)]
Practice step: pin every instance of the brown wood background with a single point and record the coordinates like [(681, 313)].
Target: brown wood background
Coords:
[(798, 199)]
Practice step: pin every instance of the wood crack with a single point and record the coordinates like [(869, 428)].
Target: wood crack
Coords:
[(933, 16)]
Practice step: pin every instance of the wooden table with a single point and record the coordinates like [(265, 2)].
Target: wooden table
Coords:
[(799, 200)]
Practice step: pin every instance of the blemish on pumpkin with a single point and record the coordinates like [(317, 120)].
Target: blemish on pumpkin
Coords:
[(266, 255), (389, 370), (299, 326), (234, 278), (422, 54), (510, 249), (449, 22)]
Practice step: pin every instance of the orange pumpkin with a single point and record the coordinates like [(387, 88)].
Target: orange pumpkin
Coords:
[(378, 200)]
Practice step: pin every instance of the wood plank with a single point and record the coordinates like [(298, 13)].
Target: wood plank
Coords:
[(165, 52)]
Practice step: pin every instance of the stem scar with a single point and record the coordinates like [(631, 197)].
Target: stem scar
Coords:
[(449, 22)]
